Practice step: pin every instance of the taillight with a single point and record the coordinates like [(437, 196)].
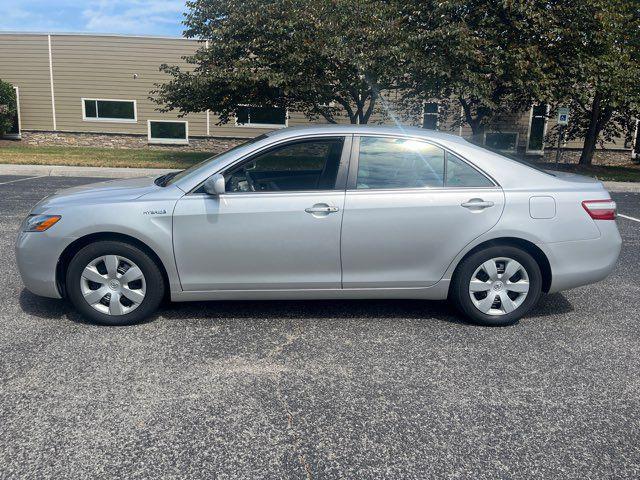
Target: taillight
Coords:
[(600, 209)]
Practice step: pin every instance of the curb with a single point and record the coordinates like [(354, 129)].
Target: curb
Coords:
[(69, 171), (633, 187)]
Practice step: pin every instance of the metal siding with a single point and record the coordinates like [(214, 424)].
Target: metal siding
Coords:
[(24, 62), (102, 67), (514, 122)]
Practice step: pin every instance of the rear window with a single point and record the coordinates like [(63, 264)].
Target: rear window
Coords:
[(532, 165), (520, 160)]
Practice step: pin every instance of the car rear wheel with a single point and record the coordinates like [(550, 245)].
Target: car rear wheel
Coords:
[(114, 283), (496, 286)]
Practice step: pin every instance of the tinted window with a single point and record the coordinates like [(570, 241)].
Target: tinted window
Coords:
[(90, 109), (430, 117), (399, 163), (261, 116), (460, 174), (536, 133), (501, 141), (168, 130), (306, 165), (110, 109), (223, 156)]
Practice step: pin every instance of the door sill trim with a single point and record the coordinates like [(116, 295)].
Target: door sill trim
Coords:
[(437, 291)]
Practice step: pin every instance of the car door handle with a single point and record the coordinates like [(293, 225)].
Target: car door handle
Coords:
[(477, 203), (321, 208)]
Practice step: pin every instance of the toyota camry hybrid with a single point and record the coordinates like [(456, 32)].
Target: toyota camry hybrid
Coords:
[(327, 212)]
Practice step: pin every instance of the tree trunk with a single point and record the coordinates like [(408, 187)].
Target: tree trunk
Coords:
[(591, 137), (477, 127), (370, 108), (588, 149)]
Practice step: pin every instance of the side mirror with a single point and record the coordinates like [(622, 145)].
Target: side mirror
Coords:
[(214, 185)]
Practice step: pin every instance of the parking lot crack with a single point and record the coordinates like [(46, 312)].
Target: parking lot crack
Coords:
[(296, 438), (290, 338)]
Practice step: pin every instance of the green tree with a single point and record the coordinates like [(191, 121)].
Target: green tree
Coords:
[(7, 107), (594, 47), (479, 55), (327, 59)]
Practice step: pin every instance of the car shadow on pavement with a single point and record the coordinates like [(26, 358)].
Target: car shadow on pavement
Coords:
[(48, 308), (443, 311), (315, 309), (551, 304)]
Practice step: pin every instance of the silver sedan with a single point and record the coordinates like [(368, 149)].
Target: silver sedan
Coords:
[(325, 213)]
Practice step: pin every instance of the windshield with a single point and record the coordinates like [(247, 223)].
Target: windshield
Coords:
[(173, 177)]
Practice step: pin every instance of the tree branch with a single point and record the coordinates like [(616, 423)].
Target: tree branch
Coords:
[(347, 107)]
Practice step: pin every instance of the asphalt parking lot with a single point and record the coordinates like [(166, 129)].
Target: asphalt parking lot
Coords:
[(323, 389)]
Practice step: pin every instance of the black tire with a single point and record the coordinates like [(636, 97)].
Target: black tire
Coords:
[(459, 293), (155, 285)]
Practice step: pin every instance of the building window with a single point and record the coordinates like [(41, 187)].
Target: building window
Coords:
[(99, 110), (168, 131), (501, 141), (537, 129), (266, 117), (430, 116)]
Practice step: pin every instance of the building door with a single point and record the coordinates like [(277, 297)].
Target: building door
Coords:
[(537, 129), (14, 131)]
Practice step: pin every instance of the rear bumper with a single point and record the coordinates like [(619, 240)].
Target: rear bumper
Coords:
[(37, 257), (578, 263)]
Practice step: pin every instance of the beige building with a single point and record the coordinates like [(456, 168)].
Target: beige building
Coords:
[(94, 90)]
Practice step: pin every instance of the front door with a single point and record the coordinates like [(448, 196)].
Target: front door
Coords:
[(410, 208), (276, 227)]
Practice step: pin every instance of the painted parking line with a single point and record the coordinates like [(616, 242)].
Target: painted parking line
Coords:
[(629, 218), (22, 179)]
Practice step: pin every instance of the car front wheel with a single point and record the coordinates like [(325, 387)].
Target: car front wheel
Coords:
[(114, 283), (496, 286)]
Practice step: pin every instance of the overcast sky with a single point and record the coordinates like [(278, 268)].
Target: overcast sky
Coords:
[(140, 17)]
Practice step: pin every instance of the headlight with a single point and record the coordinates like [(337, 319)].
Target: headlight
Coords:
[(40, 223)]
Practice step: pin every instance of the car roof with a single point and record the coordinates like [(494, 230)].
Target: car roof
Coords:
[(367, 129)]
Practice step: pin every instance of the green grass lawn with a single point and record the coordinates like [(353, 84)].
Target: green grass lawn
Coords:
[(13, 152), (623, 173), (98, 157)]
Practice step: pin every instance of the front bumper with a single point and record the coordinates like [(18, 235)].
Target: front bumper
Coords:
[(583, 262), (37, 257)]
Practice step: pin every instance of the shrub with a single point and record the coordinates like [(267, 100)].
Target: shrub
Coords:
[(7, 106)]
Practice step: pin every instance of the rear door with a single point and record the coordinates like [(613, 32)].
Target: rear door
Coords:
[(277, 226), (410, 208)]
